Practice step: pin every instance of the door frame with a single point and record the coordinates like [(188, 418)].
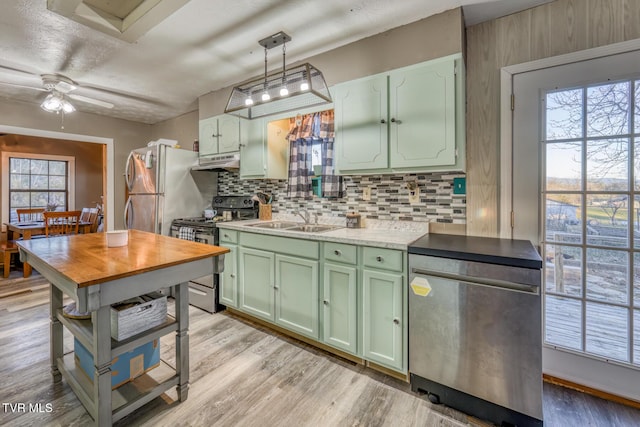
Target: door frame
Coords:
[(558, 363), (506, 116), (108, 180)]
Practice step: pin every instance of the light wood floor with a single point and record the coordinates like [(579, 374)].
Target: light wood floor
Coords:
[(243, 374)]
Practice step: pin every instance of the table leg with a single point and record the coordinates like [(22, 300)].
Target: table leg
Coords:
[(26, 269), (102, 365), (182, 339), (55, 331)]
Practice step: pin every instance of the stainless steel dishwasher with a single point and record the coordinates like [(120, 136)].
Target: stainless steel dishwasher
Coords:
[(475, 339)]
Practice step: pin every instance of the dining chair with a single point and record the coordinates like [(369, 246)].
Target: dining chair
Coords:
[(32, 214), (61, 222), (93, 219), (85, 216)]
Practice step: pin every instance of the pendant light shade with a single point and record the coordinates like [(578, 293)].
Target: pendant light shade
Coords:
[(285, 90)]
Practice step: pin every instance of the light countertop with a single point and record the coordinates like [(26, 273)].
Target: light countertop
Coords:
[(383, 234)]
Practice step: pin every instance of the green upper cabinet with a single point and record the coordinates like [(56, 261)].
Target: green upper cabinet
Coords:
[(208, 136), (406, 120), (252, 152), (265, 150), (423, 116), (361, 111), (219, 134)]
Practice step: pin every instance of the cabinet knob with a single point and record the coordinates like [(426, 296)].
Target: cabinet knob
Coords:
[(393, 120), (379, 258), (396, 321), (233, 276), (226, 236), (275, 287), (337, 252), (383, 121), (325, 302)]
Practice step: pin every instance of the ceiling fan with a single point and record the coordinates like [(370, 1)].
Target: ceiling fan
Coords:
[(59, 88)]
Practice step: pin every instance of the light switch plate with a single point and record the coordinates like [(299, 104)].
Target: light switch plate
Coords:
[(366, 193), (459, 185)]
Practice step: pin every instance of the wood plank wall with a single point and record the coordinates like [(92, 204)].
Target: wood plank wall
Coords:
[(556, 28)]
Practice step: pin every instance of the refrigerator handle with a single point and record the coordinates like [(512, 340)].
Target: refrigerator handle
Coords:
[(127, 224), (127, 180)]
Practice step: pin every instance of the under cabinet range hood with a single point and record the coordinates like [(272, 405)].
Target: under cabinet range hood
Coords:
[(213, 162)]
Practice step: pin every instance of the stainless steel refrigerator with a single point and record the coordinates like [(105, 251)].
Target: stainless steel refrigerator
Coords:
[(161, 188)]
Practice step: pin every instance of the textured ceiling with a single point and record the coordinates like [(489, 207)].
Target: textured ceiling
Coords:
[(203, 46)]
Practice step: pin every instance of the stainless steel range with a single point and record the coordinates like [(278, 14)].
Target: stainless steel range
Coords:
[(203, 292)]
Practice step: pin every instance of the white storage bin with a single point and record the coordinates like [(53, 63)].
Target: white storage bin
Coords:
[(136, 315)]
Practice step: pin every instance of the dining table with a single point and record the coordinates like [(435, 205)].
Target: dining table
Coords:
[(27, 229), (96, 276)]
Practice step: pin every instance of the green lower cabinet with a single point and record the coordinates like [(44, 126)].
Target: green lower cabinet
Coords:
[(383, 318), (257, 281), (228, 292), (339, 304), (296, 294)]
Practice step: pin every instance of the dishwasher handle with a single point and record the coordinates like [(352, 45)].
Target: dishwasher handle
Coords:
[(482, 281)]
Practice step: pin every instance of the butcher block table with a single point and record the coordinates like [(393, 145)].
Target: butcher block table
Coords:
[(95, 277)]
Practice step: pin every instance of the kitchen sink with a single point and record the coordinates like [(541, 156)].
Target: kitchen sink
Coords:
[(275, 224), (313, 228), (295, 226)]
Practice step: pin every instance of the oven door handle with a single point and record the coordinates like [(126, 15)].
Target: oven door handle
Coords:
[(481, 281)]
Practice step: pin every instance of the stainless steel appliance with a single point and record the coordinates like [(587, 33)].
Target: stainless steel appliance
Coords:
[(475, 340), (160, 187), (204, 292)]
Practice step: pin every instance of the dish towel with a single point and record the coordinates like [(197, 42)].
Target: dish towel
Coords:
[(187, 233)]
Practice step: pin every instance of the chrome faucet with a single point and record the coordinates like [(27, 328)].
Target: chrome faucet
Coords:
[(306, 215)]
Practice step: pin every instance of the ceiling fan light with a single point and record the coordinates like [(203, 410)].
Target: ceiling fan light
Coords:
[(52, 103), (284, 91), (304, 86), (248, 101), (67, 107), (266, 96)]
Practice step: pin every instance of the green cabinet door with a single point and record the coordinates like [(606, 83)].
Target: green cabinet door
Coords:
[(257, 281), (297, 295), (339, 304), (228, 133), (360, 108), (382, 318), (228, 292), (252, 151), (208, 136), (423, 115)]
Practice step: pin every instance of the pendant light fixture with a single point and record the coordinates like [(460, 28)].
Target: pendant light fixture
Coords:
[(285, 90)]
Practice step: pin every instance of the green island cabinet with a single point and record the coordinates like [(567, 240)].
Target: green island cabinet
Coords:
[(228, 286), (409, 119), (219, 134), (278, 281)]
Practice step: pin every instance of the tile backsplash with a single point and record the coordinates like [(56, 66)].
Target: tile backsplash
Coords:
[(389, 197)]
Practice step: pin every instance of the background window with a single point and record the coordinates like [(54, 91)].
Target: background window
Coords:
[(37, 183)]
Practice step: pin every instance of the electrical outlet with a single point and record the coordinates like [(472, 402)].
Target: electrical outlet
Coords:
[(366, 193), (414, 196)]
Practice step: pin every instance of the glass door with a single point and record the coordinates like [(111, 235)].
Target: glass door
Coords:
[(576, 194)]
